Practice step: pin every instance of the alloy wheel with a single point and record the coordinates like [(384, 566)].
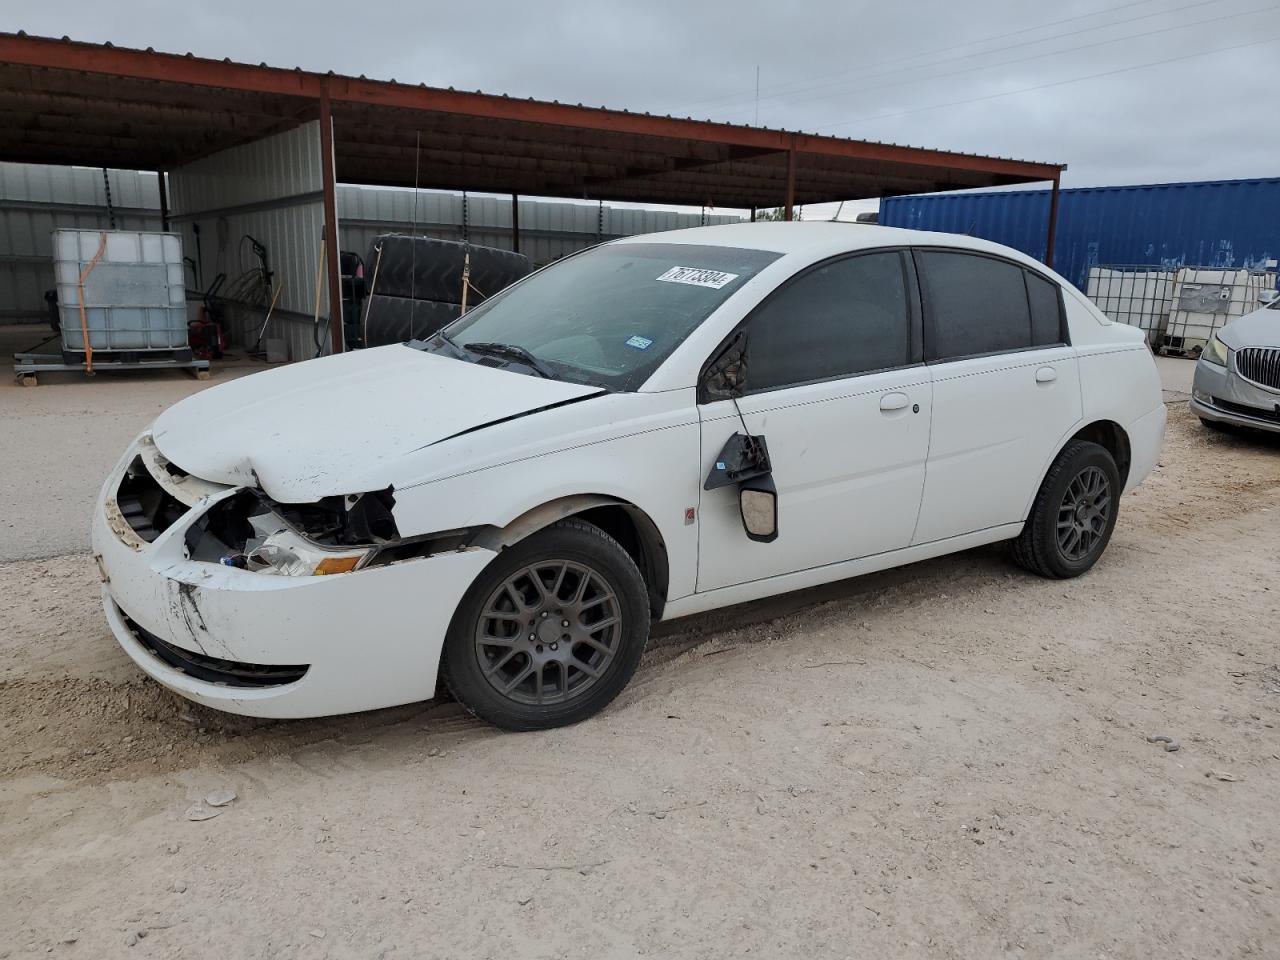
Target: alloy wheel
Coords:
[(1083, 513), (548, 632)]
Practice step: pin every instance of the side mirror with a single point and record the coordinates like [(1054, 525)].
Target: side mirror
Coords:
[(758, 503), (745, 461)]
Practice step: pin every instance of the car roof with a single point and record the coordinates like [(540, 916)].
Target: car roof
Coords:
[(816, 239)]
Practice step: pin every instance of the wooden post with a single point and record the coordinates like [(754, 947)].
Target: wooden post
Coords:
[(336, 336)]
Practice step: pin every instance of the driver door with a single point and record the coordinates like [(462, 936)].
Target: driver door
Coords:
[(835, 384)]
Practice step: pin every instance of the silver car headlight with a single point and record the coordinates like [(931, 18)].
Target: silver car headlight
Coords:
[(286, 553), (1215, 351), (334, 535)]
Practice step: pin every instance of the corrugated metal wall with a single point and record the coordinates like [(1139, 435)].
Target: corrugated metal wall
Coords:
[(548, 229), (245, 187), (36, 200), (1222, 223), (270, 190)]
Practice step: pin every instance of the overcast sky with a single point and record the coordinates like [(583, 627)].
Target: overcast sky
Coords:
[(998, 77)]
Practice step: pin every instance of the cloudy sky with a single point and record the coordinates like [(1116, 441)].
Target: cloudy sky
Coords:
[(1129, 92)]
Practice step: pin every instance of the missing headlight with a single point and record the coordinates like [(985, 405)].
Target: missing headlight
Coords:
[(231, 527), (145, 505), (332, 535)]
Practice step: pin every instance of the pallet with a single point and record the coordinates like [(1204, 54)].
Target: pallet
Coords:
[(27, 365)]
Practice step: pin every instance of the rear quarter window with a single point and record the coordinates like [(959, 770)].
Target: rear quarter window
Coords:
[(977, 304), (1047, 326)]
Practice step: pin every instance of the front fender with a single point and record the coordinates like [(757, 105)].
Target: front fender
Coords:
[(654, 470)]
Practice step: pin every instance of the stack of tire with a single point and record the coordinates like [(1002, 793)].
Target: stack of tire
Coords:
[(416, 284)]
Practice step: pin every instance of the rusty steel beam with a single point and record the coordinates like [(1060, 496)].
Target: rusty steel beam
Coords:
[(555, 114), (79, 110), (515, 222), (790, 202), (1053, 223), (375, 176), (164, 200), (170, 68), (122, 89), (619, 161), (337, 336), (490, 171), (761, 194), (482, 162)]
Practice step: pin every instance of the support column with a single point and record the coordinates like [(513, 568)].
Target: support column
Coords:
[(790, 203), (164, 200), (753, 214), (1053, 222), (332, 260), (515, 222)]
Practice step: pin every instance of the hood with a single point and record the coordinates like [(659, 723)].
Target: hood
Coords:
[(1258, 329), (338, 425)]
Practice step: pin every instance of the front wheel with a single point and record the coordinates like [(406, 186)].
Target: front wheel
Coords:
[(1073, 514), (550, 632)]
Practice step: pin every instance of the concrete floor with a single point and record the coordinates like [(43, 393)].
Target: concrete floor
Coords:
[(1175, 376)]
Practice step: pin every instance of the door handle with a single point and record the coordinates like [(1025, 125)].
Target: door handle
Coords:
[(894, 401), (1046, 375)]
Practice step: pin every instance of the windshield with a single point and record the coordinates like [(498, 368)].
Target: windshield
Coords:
[(610, 315)]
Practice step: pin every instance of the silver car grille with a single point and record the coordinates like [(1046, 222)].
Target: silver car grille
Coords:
[(1260, 365)]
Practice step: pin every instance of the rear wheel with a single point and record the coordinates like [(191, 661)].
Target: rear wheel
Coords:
[(1073, 514), (550, 632)]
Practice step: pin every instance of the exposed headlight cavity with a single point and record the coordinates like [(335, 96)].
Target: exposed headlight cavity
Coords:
[(333, 535)]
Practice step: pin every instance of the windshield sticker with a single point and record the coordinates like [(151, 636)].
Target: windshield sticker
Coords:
[(640, 343), (698, 277)]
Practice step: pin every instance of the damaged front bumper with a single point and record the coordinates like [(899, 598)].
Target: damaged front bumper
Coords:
[(272, 646)]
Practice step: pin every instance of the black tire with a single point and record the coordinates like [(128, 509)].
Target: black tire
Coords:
[(398, 320), (423, 268), (472, 655), (1065, 497)]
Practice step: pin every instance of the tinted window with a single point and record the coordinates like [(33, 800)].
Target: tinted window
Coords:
[(843, 318), (978, 304), (611, 315), (1046, 310)]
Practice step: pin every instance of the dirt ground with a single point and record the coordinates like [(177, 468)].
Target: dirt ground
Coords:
[(946, 760)]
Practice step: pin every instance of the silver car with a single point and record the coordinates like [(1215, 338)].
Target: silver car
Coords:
[(1237, 379)]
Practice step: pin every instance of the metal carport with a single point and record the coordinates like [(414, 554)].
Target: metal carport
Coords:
[(66, 102)]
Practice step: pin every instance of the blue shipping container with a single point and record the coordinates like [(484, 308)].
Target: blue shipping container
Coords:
[(1219, 223)]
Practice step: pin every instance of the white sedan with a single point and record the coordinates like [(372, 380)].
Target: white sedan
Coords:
[(651, 428)]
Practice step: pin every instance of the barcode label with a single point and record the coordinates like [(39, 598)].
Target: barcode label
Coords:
[(697, 277)]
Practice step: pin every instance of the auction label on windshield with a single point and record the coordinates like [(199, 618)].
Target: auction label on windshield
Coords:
[(698, 277)]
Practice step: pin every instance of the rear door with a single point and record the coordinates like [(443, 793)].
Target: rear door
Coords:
[(836, 384), (1006, 388)]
